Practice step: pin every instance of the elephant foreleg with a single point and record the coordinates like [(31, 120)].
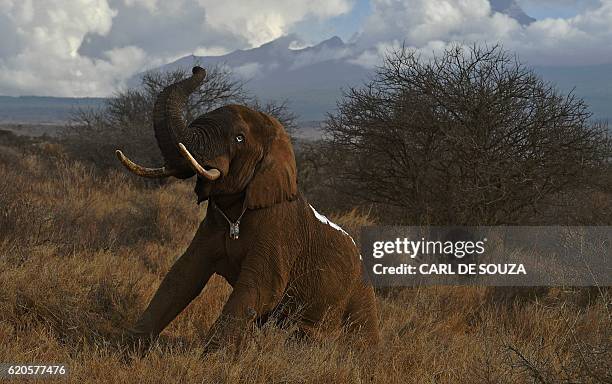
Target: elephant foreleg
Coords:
[(180, 286), (258, 290)]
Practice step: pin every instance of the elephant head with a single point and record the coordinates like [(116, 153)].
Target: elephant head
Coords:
[(232, 149)]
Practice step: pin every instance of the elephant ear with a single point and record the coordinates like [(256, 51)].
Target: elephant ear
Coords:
[(275, 179)]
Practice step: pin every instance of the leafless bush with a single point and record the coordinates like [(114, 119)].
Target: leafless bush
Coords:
[(471, 136)]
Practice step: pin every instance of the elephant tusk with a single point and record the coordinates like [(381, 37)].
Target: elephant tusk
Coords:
[(154, 173), (210, 174)]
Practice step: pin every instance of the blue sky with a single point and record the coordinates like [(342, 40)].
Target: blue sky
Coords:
[(541, 10)]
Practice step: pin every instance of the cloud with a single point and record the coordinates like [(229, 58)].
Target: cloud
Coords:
[(40, 50), (309, 57), (264, 20), (213, 50), (370, 58), (248, 70), (432, 24), (89, 47), (422, 21), (428, 25), (583, 39)]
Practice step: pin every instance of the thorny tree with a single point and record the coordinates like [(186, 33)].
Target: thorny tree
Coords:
[(470, 136)]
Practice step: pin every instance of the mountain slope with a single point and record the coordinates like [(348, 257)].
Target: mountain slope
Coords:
[(310, 78)]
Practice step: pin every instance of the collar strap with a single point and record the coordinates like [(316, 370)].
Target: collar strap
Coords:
[(234, 227)]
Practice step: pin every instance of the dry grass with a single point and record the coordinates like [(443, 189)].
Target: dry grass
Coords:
[(80, 255)]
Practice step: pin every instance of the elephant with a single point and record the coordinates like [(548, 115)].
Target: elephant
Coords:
[(283, 259)]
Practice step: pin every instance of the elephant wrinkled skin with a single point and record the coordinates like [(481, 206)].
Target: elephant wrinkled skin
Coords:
[(288, 261)]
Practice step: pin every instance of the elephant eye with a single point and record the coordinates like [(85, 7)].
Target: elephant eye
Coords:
[(239, 138)]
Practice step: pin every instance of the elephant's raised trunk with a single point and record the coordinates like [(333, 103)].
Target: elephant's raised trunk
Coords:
[(170, 130)]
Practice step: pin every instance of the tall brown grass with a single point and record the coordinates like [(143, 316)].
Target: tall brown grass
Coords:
[(81, 254)]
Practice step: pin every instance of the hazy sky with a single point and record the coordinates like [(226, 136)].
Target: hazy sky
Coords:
[(89, 47)]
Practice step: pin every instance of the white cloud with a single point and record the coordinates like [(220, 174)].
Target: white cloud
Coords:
[(428, 25), (298, 44), (322, 54), (431, 24), (44, 57), (210, 51), (264, 20), (583, 39), (422, 21), (248, 70), (370, 58), (150, 5)]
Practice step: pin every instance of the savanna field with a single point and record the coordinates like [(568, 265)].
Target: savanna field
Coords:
[(82, 252)]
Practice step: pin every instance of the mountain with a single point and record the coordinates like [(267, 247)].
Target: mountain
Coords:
[(512, 9), (311, 78)]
